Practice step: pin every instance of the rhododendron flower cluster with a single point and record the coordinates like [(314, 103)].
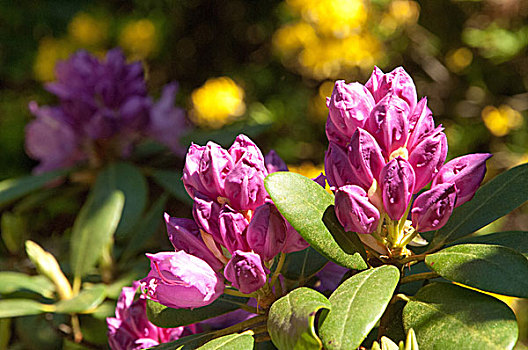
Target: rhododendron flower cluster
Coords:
[(236, 233), (384, 149), (103, 111)]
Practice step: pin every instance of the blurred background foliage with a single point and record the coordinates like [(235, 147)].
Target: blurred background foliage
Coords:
[(265, 68)]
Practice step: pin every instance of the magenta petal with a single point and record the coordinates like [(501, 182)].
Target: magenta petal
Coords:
[(244, 185), (232, 226), (397, 82), (191, 170), (432, 209), (274, 163), (338, 169), (354, 210), (206, 213), (365, 157), (244, 147), (427, 157), (421, 123), (334, 135), (397, 184), (215, 164), (466, 172), (266, 233), (244, 270)]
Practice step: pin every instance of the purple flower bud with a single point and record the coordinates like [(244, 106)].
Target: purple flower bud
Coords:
[(354, 210), (232, 226), (243, 147), (466, 172), (320, 180), (191, 170), (294, 241), (365, 157), (206, 213), (397, 82), (338, 169), (245, 272), (420, 123), (244, 185), (432, 208), (215, 164), (349, 106), (427, 157), (274, 163), (397, 185), (181, 280), (266, 232), (388, 123), (184, 234), (334, 135)]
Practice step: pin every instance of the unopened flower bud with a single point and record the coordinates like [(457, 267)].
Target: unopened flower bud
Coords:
[(294, 241), (334, 135), (244, 270), (397, 185), (397, 82), (215, 164), (338, 169), (274, 163), (244, 147), (365, 157), (354, 210), (432, 209), (244, 185), (206, 212), (266, 232), (427, 157), (421, 122), (232, 226)]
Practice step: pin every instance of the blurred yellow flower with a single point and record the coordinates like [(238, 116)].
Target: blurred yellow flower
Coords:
[(459, 59), (404, 11), (87, 30), (218, 102), (139, 38), (500, 121), (50, 51)]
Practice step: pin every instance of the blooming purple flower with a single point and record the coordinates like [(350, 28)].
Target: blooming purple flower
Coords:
[(181, 280), (131, 329), (244, 270)]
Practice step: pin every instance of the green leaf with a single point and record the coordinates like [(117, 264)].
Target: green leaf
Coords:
[(172, 182), (303, 203), (94, 228), (357, 304), (516, 240), (128, 179), (86, 300), (493, 200), (301, 265), (166, 317), (15, 281), (238, 341), (189, 342), (291, 319), (446, 316), (13, 189), (20, 307), (490, 268), (14, 231)]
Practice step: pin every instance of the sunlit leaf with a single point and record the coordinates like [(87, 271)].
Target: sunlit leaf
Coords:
[(86, 300), (516, 240), (20, 307), (16, 281), (238, 341)]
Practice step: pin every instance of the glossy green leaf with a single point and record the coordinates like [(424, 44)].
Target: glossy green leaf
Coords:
[(13, 189), (495, 199), (190, 342), (291, 319), (237, 341), (20, 307), (86, 300), (16, 281), (94, 228), (172, 182), (446, 316), (166, 317), (516, 240), (128, 179), (357, 304), (490, 268), (303, 203), (301, 265)]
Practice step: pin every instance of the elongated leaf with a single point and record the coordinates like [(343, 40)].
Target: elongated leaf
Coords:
[(87, 300), (291, 319), (348, 241), (492, 201), (446, 316), (20, 307), (303, 203), (14, 231), (13, 189), (237, 341), (171, 181), (301, 265), (490, 268), (357, 304), (128, 179), (15, 281), (167, 317), (516, 240), (94, 227)]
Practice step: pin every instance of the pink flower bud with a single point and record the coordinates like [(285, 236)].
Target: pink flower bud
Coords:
[(191, 171), (388, 123), (349, 106), (338, 169), (432, 208), (244, 185), (466, 172), (365, 157), (266, 232), (427, 157), (215, 164), (243, 147), (232, 226), (354, 210), (274, 163), (181, 280), (184, 234), (244, 270), (397, 185), (206, 213), (334, 135), (397, 82), (421, 122), (294, 241)]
